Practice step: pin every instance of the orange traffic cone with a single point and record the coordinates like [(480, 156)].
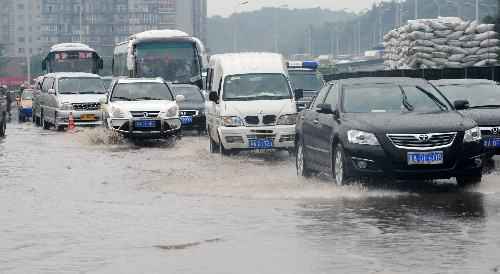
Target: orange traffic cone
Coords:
[(71, 122)]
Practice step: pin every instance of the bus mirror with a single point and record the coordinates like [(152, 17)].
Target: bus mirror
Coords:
[(101, 63), (44, 65)]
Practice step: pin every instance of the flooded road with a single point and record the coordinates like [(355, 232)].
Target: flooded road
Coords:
[(73, 203)]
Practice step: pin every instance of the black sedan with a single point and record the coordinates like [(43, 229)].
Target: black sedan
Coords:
[(192, 110), (397, 127), (484, 106)]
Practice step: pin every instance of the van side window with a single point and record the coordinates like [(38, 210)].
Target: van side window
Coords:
[(210, 76), (220, 87)]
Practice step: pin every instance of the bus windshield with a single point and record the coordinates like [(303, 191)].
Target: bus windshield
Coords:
[(175, 62)]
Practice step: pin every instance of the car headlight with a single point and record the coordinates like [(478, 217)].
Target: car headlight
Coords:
[(473, 135), (118, 113), (232, 121), (66, 106), (362, 138), (288, 119)]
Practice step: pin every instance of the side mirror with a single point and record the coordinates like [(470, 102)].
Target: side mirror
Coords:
[(180, 98), (325, 109), (103, 101), (52, 91), (213, 96), (299, 94), (461, 104)]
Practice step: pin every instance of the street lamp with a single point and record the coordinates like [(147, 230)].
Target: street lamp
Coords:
[(235, 28), (439, 7), (276, 26)]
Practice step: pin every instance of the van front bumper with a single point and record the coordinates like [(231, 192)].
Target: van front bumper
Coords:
[(164, 127), (283, 137), (81, 118)]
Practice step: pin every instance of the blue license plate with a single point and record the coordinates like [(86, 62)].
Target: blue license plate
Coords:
[(492, 143), (260, 143), (186, 120), (145, 124), (426, 158)]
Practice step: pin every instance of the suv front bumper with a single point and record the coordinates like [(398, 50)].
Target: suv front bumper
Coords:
[(164, 127), (283, 137)]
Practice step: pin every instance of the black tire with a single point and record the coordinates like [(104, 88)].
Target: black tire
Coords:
[(339, 170), (3, 126), (469, 180), (213, 146), (222, 150), (61, 128), (45, 124), (301, 163)]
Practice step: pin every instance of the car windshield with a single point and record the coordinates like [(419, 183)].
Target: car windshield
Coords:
[(176, 62), (476, 94), (247, 87), (381, 98), (141, 92), (307, 81), (191, 94), (27, 95), (81, 86)]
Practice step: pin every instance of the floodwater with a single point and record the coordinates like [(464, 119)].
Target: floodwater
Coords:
[(86, 203)]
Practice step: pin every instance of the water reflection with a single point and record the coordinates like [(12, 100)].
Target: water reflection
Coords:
[(419, 230)]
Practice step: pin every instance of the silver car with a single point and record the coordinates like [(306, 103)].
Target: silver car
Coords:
[(71, 94)]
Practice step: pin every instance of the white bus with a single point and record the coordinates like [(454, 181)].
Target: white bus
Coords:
[(72, 57), (171, 54)]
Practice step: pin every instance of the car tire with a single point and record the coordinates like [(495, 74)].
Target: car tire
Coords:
[(300, 162), (339, 170), (3, 126), (214, 148), (469, 180), (45, 124)]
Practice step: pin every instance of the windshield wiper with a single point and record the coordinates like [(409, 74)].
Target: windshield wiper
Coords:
[(405, 102), (441, 105), (486, 106), (146, 98), (122, 98)]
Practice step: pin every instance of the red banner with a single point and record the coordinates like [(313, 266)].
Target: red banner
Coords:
[(12, 81)]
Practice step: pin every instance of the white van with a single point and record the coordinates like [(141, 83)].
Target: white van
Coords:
[(251, 103)]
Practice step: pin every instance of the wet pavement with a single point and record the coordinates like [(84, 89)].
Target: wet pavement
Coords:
[(82, 203)]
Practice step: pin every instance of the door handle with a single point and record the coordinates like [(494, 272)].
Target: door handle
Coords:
[(316, 121)]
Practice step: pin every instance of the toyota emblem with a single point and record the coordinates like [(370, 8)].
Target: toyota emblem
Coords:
[(495, 131), (146, 115), (424, 138)]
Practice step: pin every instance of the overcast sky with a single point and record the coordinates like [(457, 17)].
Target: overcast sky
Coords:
[(226, 7)]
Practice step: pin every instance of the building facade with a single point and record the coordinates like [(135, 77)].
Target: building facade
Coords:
[(20, 28), (30, 27)]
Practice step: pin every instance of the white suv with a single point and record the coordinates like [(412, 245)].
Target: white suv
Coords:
[(142, 108)]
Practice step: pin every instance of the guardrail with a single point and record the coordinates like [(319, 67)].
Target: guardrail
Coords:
[(490, 73)]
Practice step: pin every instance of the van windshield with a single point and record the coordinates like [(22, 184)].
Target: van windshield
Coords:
[(248, 87), (81, 86)]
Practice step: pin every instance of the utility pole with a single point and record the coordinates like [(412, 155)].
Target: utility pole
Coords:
[(477, 10), (416, 9), (81, 21)]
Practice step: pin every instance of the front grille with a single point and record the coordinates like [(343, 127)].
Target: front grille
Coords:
[(423, 141), (188, 113), (86, 106), (145, 114), (269, 119), (252, 120)]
